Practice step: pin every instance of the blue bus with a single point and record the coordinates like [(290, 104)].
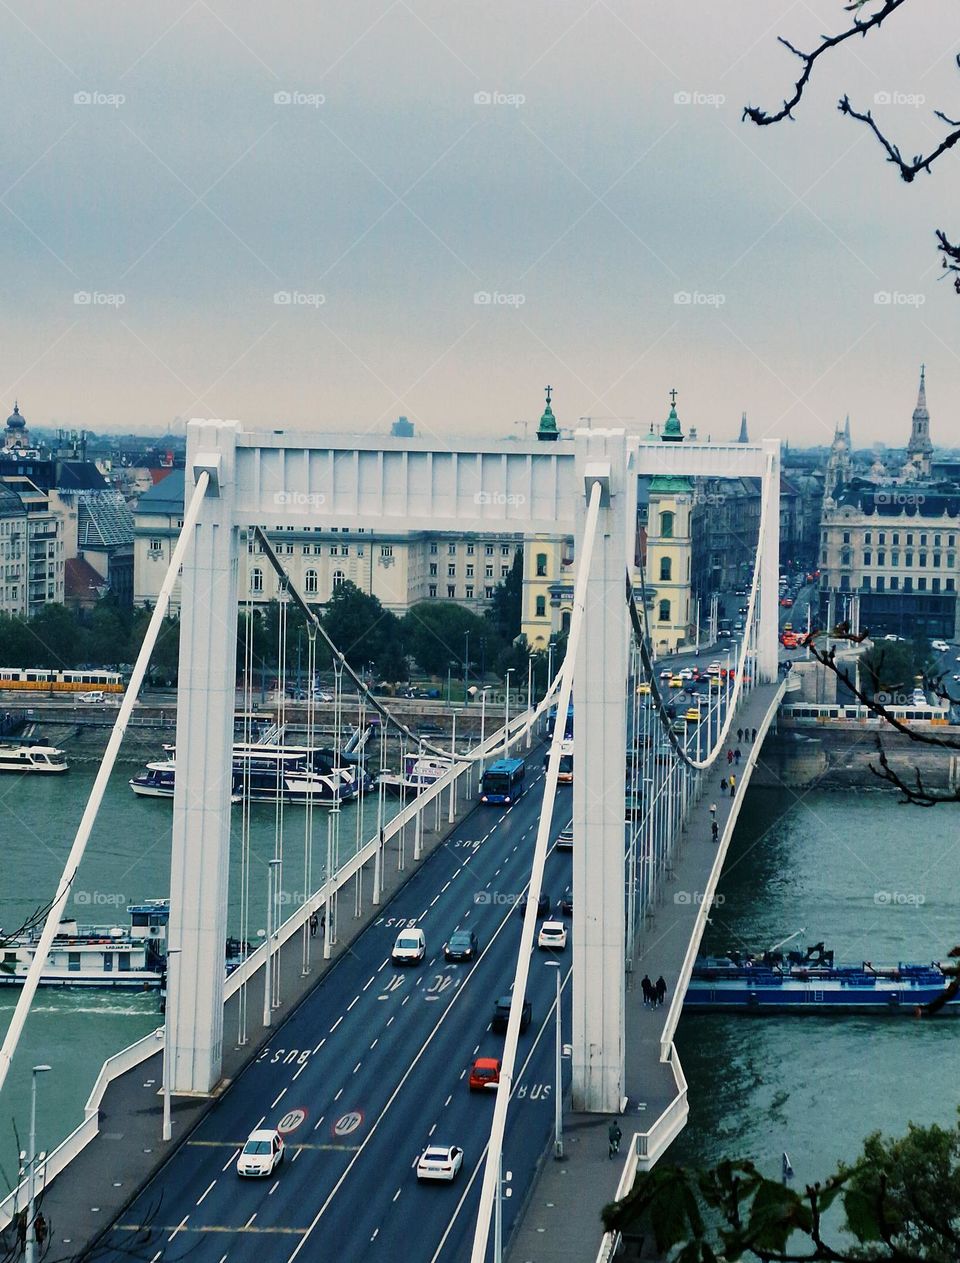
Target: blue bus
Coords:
[(552, 723), (502, 782)]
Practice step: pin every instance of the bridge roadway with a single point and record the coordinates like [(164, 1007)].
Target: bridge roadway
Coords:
[(375, 1060), (561, 1223)]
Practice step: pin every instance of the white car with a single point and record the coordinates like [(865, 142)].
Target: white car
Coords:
[(666, 673), (686, 673), (941, 646), (552, 936), (410, 948), (714, 668), (262, 1153), (96, 698), (440, 1162)]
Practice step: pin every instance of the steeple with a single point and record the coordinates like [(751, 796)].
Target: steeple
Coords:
[(920, 448), (672, 432), (846, 432), (547, 431), (744, 437)]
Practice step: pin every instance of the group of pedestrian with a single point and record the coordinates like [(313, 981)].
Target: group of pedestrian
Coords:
[(317, 923), (728, 783), (734, 756), (746, 734), (653, 992)]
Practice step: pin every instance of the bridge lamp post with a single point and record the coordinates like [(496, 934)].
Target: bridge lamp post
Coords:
[(453, 764), (498, 1209), (272, 880), (558, 1071), (506, 713), (466, 665), (31, 1241), (166, 1129), (529, 696)]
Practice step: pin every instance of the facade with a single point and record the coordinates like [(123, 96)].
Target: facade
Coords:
[(669, 559), (889, 547), (547, 600), (400, 568)]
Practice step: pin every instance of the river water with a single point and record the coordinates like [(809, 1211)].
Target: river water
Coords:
[(127, 861), (876, 881)]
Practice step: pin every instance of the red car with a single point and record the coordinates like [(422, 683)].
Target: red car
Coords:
[(787, 602), (485, 1073)]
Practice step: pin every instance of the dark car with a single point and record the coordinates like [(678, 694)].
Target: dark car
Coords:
[(566, 902), (501, 1014), (543, 903), (461, 945)]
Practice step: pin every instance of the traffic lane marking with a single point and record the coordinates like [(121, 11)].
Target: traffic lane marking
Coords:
[(200, 1228), (231, 1144)]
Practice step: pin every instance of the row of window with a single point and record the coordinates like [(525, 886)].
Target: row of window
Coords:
[(922, 559), (880, 584), (452, 571), (895, 538), (469, 592)]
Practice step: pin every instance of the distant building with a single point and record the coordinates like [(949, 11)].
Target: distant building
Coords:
[(669, 563), (402, 429)]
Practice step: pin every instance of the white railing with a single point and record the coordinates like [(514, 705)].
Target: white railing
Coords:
[(136, 1053)]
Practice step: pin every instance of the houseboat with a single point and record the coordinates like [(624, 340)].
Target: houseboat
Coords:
[(33, 756)]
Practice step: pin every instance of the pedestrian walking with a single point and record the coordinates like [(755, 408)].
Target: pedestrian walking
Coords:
[(661, 989), (733, 785), (715, 831), (713, 811), (737, 756), (647, 988), (754, 734), (739, 734), (614, 1136), (729, 757), (314, 924)]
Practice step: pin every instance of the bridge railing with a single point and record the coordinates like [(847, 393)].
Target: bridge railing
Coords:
[(135, 1054)]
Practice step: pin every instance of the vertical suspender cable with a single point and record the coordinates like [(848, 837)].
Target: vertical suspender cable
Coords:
[(54, 915)]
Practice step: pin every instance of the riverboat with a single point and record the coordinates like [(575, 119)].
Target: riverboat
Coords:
[(33, 756)]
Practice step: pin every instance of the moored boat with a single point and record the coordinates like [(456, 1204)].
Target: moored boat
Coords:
[(33, 756)]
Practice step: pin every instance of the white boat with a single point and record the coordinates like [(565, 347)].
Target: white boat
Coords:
[(157, 781), (268, 773), (32, 757), (419, 772), (95, 956)]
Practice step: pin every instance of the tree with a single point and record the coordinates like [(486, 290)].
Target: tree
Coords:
[(862, 26), (359, 626), (505, 614), (888, 671), (55, 639), (901, 1201), (435, 634)]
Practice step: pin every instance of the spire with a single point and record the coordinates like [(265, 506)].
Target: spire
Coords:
[(919, 448), (744, 437), (846, 430), (547, 431), (672, 432)]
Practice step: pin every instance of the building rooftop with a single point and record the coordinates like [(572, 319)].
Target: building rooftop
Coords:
[(103, 520), (165, 497)]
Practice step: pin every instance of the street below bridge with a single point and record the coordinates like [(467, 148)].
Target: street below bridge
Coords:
[(371, 1069)]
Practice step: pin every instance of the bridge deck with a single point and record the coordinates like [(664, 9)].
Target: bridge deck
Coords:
[(587, 1179)]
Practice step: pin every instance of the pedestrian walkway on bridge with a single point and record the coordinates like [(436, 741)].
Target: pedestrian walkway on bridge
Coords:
[(561, 1222)]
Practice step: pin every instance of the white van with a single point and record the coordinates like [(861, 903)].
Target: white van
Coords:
[(97, 698), (410, 948)]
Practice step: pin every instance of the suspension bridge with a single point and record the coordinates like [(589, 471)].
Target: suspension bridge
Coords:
[(364, 1068)]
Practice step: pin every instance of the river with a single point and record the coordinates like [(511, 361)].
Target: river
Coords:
[(876, 881)]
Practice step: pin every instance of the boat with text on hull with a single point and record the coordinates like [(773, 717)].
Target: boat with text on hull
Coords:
[(812, 982)]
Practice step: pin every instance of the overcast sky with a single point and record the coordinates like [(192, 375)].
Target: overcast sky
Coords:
[(183, 165)]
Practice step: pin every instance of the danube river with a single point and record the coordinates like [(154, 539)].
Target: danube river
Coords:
[(127, 860), (876, 881)]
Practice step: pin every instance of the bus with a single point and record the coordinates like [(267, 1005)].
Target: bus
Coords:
[(565, 773), (502, 782), (552, 723)]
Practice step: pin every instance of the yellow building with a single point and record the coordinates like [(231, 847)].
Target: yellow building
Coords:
[(669, 550), (547, 597)]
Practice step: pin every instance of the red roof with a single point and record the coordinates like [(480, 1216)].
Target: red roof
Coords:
[(81, 582)]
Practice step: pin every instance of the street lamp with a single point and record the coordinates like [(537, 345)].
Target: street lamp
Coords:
[(550, 648), (466, 665), (506, 712), (529, 697), (31, 1241), (453, 764), (166, 1131), (558, 1069), (272, 880)]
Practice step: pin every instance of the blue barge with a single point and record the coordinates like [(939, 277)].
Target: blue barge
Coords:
[(811, 982)]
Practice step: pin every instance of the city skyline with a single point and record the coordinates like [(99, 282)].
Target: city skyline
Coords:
[(204, 217)]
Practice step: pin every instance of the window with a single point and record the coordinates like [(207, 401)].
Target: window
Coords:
[(934, 585), (386, 550), (338, 578), (488, 571), (504, 572), (305, 550), (894, 584), (469, 571), (469, 591), (896, 538), (333, 550), (844, 583), (865, 584), (666, 529), (565, 621), (937, 558), (867, 559), (504, 550), (922, 563), (541, 565), (488, 592), (451, 550), (470, 550), (846, 537), (882, 537), (909, 559), (880, 583), (541, 607), (256, 580), (881, 559), (868, 537), (156, 545), (310, 583), (451, 572), (73, 962), (433, 550), (894, 559), (344, 550), (289, 550), (433, 568), (908, 584), (665, 567), (923, 541), (432, 589), (451, 592), (664, 611), (909, 539), (317, 550), (951, 559), (948, 585), (921, 585), (936, 541), (488, 550)]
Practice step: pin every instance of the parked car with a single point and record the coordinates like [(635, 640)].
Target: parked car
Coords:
[(501, 1014)]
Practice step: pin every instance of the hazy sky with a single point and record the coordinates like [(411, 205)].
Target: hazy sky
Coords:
[(184, 164)]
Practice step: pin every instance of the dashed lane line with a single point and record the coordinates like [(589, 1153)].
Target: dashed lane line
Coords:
[(200, 1228), (206, 1190)]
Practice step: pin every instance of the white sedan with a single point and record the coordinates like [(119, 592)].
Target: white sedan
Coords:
[(262, 1153), (440, 1162), (552, 936), (686, 673)]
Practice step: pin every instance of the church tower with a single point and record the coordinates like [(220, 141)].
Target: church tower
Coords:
[(920, 449), (669, 548)]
